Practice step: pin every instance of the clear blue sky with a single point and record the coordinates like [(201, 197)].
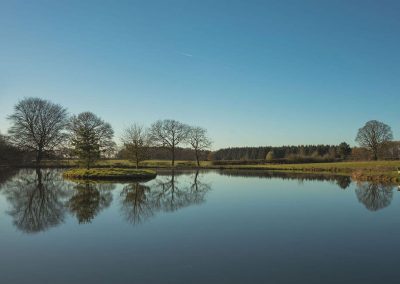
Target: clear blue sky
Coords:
[(251, 72)]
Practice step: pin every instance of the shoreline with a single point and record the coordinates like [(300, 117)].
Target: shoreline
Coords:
[(374, 171)]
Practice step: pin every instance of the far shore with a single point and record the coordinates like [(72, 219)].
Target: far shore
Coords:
[(380, 171)]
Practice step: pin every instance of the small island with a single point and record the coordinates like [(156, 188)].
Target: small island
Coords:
[(109, 174)]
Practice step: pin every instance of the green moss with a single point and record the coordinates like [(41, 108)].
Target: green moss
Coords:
[(109, 174)]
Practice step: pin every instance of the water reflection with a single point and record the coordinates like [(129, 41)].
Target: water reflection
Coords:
[(342, 181), (89, 200), (136, 204), (6, 174), (167, 193), (37, 200), (170, 195), (374, 196), (40, 199)]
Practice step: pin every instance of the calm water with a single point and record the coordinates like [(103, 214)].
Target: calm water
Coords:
[(207, 227)]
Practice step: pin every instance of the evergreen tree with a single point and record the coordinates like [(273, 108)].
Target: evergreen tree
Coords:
[(90, 137)]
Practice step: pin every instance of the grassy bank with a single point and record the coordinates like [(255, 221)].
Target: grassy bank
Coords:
[(370, 170), (385, 171), (109, 174)]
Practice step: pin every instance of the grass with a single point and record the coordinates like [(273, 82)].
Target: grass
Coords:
[(370, 170), (334, 166), (109, 174), (365, 170)]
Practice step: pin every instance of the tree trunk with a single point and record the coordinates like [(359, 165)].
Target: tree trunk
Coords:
[(197, 159), (375, 151), (39, 177), (137, 156), (173, 180), (38, 157), (195, 180), (173, 156)]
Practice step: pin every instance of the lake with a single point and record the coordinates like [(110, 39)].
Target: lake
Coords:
[(198, 227)]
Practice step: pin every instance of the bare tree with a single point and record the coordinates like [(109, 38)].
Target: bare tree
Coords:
[(373, 135), (136, 140), (169, 133), (90, 136), (37, 125), (198, 139)]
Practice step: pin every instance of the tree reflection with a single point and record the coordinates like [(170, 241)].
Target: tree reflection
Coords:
[(37, 200), (6, 174), (343, 182), (136, 203), (198, 189), (167, 193), (374, 196), (89, 199)]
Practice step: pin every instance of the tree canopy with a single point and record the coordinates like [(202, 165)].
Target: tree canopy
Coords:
[(90, 137), (37, 125), (169, 133), (373, 135), (198, 139), (136, 140)]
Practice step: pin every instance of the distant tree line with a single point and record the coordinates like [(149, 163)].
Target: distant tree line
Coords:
[(302, 153), (41, 130), (374, 139), (163, 153)]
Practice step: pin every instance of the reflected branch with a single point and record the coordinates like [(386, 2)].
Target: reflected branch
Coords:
[(136, 205), (166, 194), (37, 200), (89, 200), (374, 196), (169, 195)]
